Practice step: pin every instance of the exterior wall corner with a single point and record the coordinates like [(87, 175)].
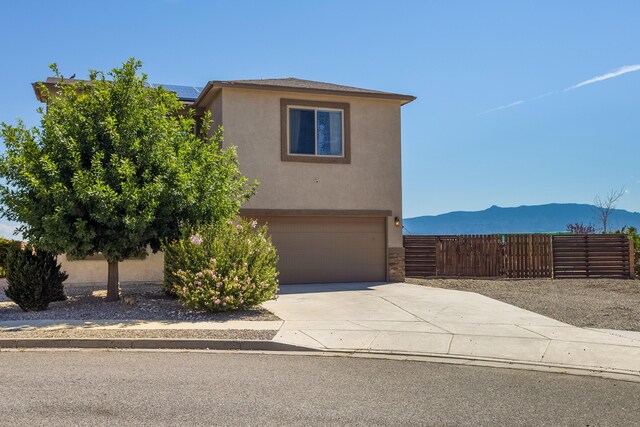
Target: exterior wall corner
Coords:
[(395, 265)]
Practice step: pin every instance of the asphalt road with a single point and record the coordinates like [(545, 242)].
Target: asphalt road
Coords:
[(169, 388)]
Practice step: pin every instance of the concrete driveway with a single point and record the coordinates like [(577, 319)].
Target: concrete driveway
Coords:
[(412, 319)]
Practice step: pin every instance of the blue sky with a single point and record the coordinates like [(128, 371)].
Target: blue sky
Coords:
[(460, 58)]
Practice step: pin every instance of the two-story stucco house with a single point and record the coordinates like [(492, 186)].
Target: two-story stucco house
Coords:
[(328, 159)]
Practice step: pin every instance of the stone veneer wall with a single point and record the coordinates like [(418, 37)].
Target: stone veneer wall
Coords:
[(395, 264)]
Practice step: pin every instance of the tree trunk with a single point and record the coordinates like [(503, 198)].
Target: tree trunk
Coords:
[(113, 291)]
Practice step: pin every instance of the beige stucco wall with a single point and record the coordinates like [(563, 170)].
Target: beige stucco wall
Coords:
[(373, 179), (216, 111), (150, 269)]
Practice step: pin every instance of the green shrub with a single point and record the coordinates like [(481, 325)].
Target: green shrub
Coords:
[(222, 267), (632, 234), (34, 279), (5, 246)]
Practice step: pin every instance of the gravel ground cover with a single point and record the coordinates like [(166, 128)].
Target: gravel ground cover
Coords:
[(140, 301), (589, 303)]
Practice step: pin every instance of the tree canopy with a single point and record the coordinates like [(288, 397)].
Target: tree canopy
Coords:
[(114, 166)]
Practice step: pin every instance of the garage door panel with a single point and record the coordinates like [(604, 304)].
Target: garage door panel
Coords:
[(320, 275), (299, 241), (362, 240), (322, 225), (328, 240), (320, 258), (329, 249)]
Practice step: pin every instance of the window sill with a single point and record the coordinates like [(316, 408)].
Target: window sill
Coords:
[(286, 157)]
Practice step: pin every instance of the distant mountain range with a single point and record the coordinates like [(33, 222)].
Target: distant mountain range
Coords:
[(522, 219)]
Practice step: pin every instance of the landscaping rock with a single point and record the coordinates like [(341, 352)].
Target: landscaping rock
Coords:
[(140, 301)]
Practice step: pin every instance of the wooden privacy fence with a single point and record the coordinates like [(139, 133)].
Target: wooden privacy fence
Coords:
[(519, 256), (593, 255), (468, 256), (527, 255), (420, 256)]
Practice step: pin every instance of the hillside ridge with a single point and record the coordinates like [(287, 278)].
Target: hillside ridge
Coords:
[(547, 218)]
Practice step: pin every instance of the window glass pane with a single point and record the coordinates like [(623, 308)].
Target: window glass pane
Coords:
[(302, 131), (330, 133)]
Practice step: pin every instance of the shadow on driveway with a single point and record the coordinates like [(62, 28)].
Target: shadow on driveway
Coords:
[(314, 288)]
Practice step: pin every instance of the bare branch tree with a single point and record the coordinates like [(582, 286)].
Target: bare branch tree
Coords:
[(606, 204)]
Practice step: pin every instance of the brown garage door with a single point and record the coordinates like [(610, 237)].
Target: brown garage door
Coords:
[(329, 249)]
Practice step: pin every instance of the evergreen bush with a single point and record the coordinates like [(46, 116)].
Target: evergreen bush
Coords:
[(5, 246), (34, 279)]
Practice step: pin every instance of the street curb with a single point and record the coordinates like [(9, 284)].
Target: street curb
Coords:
[(490, 362), (150, 343), (259, 346)]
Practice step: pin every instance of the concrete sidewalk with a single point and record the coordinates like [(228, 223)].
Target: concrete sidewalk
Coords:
[(418, 320)]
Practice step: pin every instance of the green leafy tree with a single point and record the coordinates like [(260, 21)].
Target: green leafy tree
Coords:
[(114, 167)]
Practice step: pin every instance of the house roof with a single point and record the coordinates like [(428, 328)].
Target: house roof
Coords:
[(291, 84), (186, 94), (193, 95)]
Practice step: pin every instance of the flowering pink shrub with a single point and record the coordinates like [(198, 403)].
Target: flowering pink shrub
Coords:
[(222, 267), (196, 239)]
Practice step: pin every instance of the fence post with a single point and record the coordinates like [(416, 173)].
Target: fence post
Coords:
[(551, 258), (632, 260), (504, 266), (586, 247)]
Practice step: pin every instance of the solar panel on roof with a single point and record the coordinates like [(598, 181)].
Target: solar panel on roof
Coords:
[(184, 93)]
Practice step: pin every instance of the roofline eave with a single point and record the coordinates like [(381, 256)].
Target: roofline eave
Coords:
[(405, 99)]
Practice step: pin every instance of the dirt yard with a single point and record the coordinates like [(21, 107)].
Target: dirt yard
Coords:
[(591, 303)]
